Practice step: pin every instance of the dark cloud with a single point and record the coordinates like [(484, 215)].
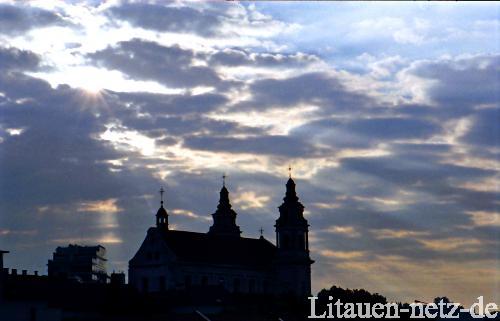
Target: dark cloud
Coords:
[(425, 175), (16, 59), (425, 149), (411, 172), (206, 20), (147, 60), (463, 88), (393, 128), (268, 145), (179, 19), (187, 125), (18, 19), (466, 82), (317, 89), (485, 130), (17, 85), (172, 116), (162, 105), (363, 133)]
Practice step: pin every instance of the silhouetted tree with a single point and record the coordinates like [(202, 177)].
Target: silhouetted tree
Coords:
[(346, 296)]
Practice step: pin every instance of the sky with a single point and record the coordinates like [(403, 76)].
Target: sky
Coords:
[(387, 113)]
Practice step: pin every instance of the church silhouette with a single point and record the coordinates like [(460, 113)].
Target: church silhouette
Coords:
[(172, 260)]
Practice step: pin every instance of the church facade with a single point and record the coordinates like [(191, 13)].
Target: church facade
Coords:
[(222, 258)]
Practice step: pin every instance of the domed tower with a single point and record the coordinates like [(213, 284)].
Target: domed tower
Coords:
[(162, 215), (224, 217), (293, 262)]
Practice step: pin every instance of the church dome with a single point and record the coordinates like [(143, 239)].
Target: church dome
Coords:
[(161, 211)]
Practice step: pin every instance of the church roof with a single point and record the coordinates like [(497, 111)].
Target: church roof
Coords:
[(208, 249)]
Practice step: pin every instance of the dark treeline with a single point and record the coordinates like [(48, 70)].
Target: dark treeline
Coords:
[(361, 296)]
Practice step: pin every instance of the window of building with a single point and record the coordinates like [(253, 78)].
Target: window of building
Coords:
[(162, 283), (236, 285), (33, 314), (251, 286), (301, 242), (187, 280), (145, 284), (286, 241)]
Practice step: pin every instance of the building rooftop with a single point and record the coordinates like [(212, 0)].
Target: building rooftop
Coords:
[(209, 249)]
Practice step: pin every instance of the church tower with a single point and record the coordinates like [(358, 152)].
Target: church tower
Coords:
[(293, 262), (225, 217), (161, 215)]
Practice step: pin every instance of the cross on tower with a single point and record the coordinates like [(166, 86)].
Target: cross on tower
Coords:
[(261, 231), (289, 171), (224, 179), (161, 194)]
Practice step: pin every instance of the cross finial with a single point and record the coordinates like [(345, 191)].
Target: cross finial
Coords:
[(224, 179), (289, 171), (161, 194), (261, 231)]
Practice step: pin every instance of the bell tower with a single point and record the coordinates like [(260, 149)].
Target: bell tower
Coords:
[(293, 261), (224, 217), (161, 215)]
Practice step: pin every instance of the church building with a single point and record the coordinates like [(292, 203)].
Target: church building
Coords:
[(182, 260)]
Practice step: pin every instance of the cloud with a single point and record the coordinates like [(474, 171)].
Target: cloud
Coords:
[(414, 31), (313, 89), (250, 199), (391, 128), (241, 57), (210, 20), (164, 105), (272, 145), (147, 60), (17, 19), (413, 171), (463, 82), (16, 59), (348, 231), (482, 218), (103, 206), (344, 255), (364, 133), (16, 85), (179, 126), (485, 129), (179, 19), (388, 233)]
